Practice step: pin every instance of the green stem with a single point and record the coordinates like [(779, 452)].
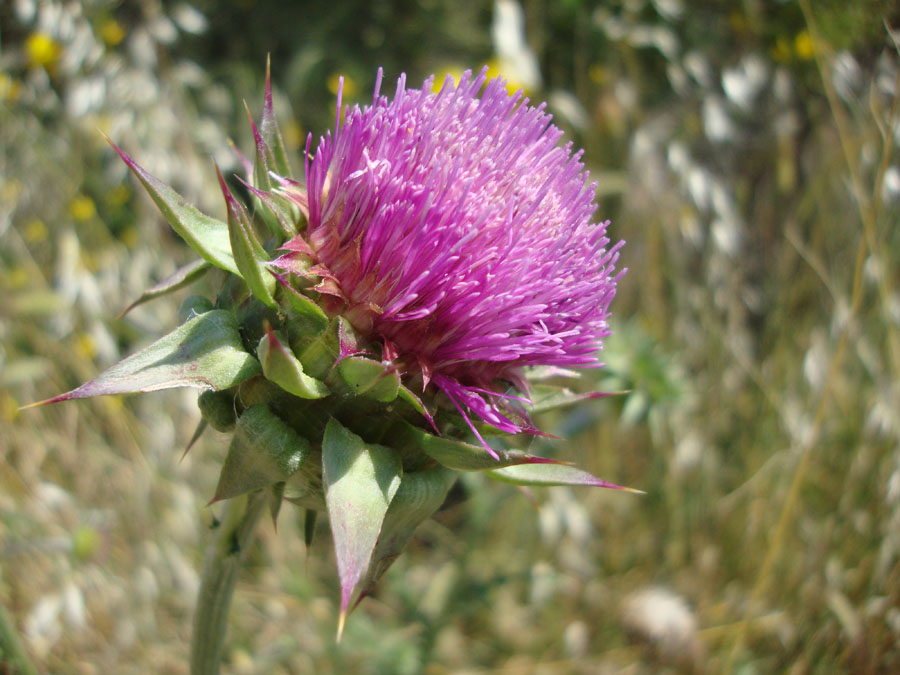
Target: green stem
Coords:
[(11, 651), (224, 557)]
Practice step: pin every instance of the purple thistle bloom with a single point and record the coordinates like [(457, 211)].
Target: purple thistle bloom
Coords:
[(454, 229), (454, 235)]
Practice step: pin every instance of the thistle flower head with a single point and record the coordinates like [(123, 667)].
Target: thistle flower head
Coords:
[(449, 231), (453, 228)]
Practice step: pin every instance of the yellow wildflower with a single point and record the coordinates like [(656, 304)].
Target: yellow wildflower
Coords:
[(111, 32), (82, 208), (42, 50), (35, 231), (803, 46)]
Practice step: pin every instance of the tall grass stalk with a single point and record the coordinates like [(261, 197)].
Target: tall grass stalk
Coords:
[(868, 245)]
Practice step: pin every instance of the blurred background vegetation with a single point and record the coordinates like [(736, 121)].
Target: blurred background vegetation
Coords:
[(746, 152)]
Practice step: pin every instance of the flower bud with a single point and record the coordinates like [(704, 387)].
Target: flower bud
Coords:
[(217, 408)]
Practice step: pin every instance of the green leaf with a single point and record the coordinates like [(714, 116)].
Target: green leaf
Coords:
[(207, 236), (365, 377), (198, 432), (205, 352), (262, 184), (420, 495), (543, 373), (284, 369), (277, 213), (545, 475), (180, 278), (271, 134), (549, 397), (360, 481), (263, 451), (461, 456), (250, 256), (261, 178)]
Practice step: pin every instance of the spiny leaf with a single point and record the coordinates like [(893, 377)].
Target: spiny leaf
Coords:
[(198, 432), (263, 451), (420, 495), (262, 182), (360, 481), (276, 497), (461, 456), (548, 397), (309, 526), (545, 475), (271, 134), (180, 278), (205, 352), (207, 236), (542, 373), (261, 178), (249, 255)]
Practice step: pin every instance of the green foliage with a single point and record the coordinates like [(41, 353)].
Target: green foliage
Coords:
[(455, 454), (361, 480), (208, 237), (205, 352)]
